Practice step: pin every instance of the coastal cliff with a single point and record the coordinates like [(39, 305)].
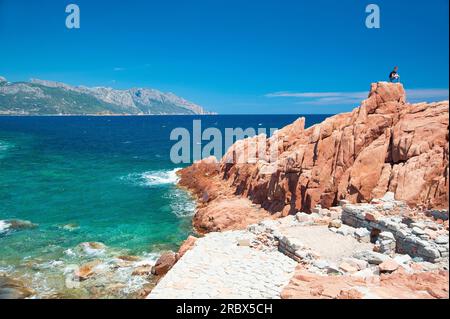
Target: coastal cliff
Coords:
[(384, 145)]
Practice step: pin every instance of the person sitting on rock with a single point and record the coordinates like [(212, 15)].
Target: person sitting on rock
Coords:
[(394, 76)]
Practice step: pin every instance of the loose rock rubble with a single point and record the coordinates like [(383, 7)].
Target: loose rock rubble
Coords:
[(365, 261), (385, 145), (406, 232)]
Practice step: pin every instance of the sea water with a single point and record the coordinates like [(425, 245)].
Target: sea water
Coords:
[(108, 180)]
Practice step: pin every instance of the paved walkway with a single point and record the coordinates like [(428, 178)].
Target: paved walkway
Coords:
[(217, 267), (327, 244)]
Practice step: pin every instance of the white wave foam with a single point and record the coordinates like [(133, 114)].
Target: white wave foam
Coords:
[(3, 148), (154, 178), (181, 203), (148, 259), (4, 226)]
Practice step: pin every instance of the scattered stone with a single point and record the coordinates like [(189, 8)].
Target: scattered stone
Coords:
[(350, 294), (441, 240), (418, 231), (372, 216), (388, 266), (402, 259), (304, 218), (333, 269), (13, 289), (386, 243), (335, 223), (244, 242), (18, 224), (366, 273), (343, 202), (346, 267), (359, 264), (128, 258), (321, 264), (418, 225), (362, 234), (142, 271), (344, 230), (86, 270), (388, 206), (371, 257), (386, 236), (388, 197), (164, 263), (412, 233)]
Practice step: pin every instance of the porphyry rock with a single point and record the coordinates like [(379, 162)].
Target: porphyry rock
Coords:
[(386, 145), (164, 263), (187, 245)]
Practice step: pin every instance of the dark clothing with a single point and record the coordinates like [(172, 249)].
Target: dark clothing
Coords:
[(393, 76)]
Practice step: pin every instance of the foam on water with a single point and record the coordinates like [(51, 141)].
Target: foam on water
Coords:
[(163, 177), (3, 148), (4, 226), (153, 178), (181, 203)]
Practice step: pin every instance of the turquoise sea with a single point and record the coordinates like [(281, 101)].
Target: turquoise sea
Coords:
[(65, 181)]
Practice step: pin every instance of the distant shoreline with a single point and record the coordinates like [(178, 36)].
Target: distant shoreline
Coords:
[(98, 115), (148, 115)]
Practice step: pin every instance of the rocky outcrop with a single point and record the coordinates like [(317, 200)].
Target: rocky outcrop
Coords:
[(187, 245), (13, 289), (164, 263), (384, 145), (218, 208), (301, 257), (423, 285)]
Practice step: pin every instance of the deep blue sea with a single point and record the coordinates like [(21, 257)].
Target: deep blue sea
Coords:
[(95, 179)]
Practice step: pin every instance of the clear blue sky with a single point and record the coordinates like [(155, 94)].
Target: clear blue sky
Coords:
[(232, 56)]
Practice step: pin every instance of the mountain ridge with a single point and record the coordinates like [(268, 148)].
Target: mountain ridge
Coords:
[(384, 145), (43, 97)]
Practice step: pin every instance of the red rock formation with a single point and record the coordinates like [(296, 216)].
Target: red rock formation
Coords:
[(422, 285), (218, 208), (384, 145), (187, 245), (164, 263)]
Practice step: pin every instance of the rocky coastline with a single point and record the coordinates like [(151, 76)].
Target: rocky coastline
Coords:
[(359, 203)]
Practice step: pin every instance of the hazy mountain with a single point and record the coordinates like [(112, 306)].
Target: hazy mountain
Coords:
[(40, 97)]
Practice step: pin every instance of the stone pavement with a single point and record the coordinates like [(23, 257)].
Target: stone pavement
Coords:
[(222, 265)]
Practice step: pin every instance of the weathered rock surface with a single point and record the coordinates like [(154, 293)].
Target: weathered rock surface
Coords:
[(187, 245), (291, 258), (218, 208), (384, 145), (164, 263), (13, 289), (87, 270), (424, 285)]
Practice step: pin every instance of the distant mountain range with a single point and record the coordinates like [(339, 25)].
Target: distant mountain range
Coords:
[(40, 97)]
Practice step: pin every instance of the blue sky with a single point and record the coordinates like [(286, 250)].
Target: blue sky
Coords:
[(233, 56)]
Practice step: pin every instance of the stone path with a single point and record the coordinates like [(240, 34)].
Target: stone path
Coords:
[(217, 267), (328, 245)]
